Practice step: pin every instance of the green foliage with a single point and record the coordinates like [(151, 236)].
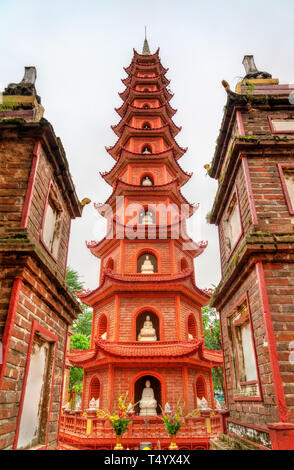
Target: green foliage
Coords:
[(83, 324), (73, 280), (120, 426), (78, 341), (82, 331), (212, 340)]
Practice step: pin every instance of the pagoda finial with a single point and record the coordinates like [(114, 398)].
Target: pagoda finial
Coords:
[(251, 69), (145, 50)]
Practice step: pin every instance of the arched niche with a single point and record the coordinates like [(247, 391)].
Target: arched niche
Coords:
[(102, 327), (143, 258), (147, 216), (146, 125), (147, 180), (192, 327), (94, 389), (157, 389), (184, 265), (146, 106), (110, 264), (146, 149), (141, 318), (201, 388)]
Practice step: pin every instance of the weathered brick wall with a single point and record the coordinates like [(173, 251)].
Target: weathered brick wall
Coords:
[(279, 278), (16, 160), (246, 220), (44, 173), (259, 412), (31, 306), (258, 123), (269, 199)]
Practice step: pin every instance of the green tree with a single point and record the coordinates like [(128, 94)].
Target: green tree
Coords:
[(83, 324), (212, 340), (82, 331)]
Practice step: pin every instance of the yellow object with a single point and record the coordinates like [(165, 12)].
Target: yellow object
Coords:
[(89, 426), (146, 448), (118, 445), (208, 425), (257, 81), (173, 445)]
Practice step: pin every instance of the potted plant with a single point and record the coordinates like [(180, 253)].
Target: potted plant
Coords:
[(121, 418), (173, 420)]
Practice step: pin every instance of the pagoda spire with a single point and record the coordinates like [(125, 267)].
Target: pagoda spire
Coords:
[(146, 49)]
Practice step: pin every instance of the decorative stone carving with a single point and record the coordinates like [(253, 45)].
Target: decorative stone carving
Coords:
[(93, 404), (147, 333), (147, 267), (148, 404), (218, 406), (78, 405), (167, 408), (202, 404)]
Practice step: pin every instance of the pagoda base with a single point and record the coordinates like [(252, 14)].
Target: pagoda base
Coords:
[(86, 433)]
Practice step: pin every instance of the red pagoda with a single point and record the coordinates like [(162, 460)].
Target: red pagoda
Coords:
[(147, 323)]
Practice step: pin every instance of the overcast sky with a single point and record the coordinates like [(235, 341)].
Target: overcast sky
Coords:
[(80, 49)]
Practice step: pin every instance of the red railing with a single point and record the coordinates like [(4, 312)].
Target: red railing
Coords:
[(95, 431)]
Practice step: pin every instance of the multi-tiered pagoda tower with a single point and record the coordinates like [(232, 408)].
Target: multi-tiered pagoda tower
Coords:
[(147, 267)]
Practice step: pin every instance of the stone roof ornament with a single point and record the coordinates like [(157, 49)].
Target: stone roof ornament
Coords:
[(27, 85), (251, 69), (146, 49)]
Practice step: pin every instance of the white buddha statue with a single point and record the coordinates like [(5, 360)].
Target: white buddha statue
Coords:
[(92, 404), (146, 151), (147, 333), (148, 404), (202, 404), (147, 267), (147, 181), (218, 406), (147, 218)]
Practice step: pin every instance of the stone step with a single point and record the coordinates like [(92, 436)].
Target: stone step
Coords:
[(234, 443), (216, 444)]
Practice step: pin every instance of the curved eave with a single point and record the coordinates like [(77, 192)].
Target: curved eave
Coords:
[(99, 248), (123, 188), (146, 58), (133, 79), (112, 283), (122, 125), (160, 111), (126, 157), (132, 94), (143, 67), (152, 349), (163, 132), (121, 111), (214, 357)]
